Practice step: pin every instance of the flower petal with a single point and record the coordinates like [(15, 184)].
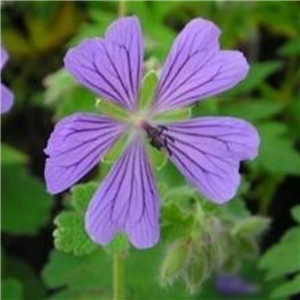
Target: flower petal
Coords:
[(127, 201), (4, 57), (7, 98), (111, 66), (76, 145), (234, 285), (196, 68), (208, 152)]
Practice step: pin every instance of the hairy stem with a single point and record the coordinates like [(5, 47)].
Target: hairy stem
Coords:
[(118, 276)]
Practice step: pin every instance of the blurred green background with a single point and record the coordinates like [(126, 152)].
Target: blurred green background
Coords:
[(37, 35)]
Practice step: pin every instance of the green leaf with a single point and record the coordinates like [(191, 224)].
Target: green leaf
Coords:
[(277, 153), (251, 110), (258, 73), (10, 155), (282, 261), (23, 213), (78, 273), (296, 213), (14, 268), (82, 277), (11, 289), (70, 235), (291, 48), (288, 251), (58, 85), (290, 288), (78, 99)]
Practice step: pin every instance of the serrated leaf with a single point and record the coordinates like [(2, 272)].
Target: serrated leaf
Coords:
[(82, 194), (82, 277), (70, 235), (78, 273)]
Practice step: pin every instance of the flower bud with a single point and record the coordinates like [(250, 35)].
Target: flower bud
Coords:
[(196, 271), (253, 226), (174, 262)]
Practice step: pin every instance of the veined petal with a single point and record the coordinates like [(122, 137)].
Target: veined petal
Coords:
[(111, 66), (127, 201), (76, 145), (208, 152), (4, 57), (7, 98), (196, 68)]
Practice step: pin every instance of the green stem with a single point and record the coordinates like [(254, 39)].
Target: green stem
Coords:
[(118, 276), (122, 8)]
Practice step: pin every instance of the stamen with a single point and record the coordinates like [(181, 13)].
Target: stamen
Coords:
[(158, 137)]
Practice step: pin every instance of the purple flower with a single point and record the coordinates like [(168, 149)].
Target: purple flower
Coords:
[(6, 95), (206, 150), (234, 285)]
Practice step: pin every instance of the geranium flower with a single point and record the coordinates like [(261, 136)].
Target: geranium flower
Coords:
[(234, 285), (6, 95), (206, 150)]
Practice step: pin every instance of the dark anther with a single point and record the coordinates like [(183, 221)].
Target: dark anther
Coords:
[(158, 137)]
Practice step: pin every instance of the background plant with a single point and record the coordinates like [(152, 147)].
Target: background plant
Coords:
[(36, 35)]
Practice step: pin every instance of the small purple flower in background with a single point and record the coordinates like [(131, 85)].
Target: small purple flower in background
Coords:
[(234, 285), (6, 95), (207, 150)]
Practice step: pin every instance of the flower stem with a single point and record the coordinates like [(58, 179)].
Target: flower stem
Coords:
[(118, 276), (122, 8)]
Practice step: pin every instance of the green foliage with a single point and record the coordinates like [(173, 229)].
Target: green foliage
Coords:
[(283, 259), (21, 215), (277, 154), (16, 270), (199, 239), (205, 239), (70, 235), (258, 73), (11, 290), (90, 275)]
